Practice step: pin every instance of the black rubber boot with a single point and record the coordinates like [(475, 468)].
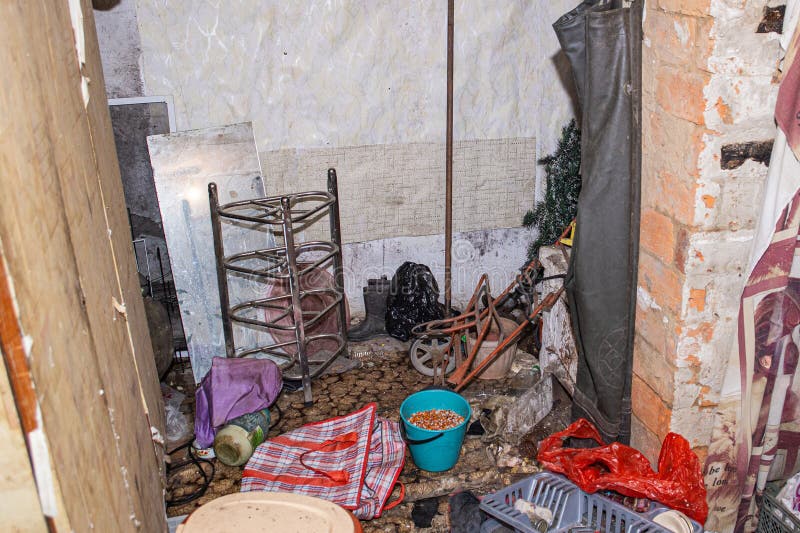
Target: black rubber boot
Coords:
[(376, 294)]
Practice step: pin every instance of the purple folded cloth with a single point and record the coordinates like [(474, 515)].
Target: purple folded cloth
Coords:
[(233, 387)]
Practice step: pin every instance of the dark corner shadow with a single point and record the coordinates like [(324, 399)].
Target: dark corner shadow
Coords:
[(564, 70), (104, 5)]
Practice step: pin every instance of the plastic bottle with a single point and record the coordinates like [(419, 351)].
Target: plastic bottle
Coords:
[(238, 439)]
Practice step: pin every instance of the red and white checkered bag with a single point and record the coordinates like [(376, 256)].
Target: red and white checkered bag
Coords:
[(352, 460)]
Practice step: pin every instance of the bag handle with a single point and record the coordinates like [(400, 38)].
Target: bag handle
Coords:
[(399, 500), (412, 441), (340, 477)]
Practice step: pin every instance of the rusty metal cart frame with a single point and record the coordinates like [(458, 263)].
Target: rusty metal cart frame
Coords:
[(480, 314)]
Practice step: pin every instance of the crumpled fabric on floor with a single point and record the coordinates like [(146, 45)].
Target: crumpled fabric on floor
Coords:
[(423, 512), (465, 513), (233, 387)]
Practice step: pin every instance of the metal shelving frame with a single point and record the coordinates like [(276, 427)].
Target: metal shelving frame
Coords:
[(281, 263)]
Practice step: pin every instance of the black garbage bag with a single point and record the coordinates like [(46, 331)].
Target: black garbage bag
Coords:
[(413, 299), (465, 513)]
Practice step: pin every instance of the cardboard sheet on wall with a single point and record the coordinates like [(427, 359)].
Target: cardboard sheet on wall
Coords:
[(397, 190)]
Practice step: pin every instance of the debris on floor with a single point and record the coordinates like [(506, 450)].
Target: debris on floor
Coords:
[(552, 502), (232, 388), (177, 428), (486, 462), (269, 511), (465, 514), (678, 483), (433, 443), (423, 512), (235, 443)]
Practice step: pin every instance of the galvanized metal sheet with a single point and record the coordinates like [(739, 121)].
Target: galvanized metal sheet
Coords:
[(184, 163)]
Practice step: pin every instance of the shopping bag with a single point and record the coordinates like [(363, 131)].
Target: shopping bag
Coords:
[(677, 484), (352, 460)]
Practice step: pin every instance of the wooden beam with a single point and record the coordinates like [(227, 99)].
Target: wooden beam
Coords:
[(66, 245)]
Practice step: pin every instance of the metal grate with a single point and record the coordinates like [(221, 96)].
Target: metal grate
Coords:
[(775, 518)]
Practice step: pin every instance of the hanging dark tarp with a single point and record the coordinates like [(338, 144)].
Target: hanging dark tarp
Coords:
[(602, 41)]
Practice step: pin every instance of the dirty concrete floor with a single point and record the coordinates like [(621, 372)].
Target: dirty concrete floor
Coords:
[(387, 378)]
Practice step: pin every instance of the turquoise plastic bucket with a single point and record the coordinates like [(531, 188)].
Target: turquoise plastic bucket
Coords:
[(434, 451)]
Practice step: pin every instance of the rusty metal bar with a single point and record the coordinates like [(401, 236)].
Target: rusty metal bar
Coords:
[(483, 331), (448, 209), (294, 290), (338, 263), (222, 276), (453, 350)]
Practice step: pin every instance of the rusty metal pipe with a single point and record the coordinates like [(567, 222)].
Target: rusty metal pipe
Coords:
[(448, 202), (222, 276), (338, 263), (458, 375), (294, 290)]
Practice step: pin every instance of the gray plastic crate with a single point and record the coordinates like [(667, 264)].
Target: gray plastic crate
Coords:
[(775, 518), (573, 510), (493, 526)]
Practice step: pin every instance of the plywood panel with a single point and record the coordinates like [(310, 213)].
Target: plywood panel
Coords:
[(113, 199), (89, 353), (19, 506)]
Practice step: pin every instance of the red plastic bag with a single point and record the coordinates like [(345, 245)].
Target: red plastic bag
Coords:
[(677, 484)]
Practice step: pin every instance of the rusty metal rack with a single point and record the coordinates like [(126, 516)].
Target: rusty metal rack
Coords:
[(287, 263)]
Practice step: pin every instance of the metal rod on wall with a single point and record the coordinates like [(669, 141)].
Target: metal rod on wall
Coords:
[(448, 213)]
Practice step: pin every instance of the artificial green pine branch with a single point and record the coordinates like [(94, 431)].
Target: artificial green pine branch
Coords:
[(560, 205)]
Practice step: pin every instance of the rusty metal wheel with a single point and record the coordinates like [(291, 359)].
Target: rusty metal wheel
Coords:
[(425, 352)]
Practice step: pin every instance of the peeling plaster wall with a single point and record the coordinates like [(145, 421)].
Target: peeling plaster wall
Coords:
[(328, 74), (497, 252), (708, 81), (739, 105), (318, 74), (121, 49)]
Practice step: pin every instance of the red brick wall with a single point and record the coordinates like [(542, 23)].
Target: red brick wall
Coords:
[(677, 44), (707, 81)]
